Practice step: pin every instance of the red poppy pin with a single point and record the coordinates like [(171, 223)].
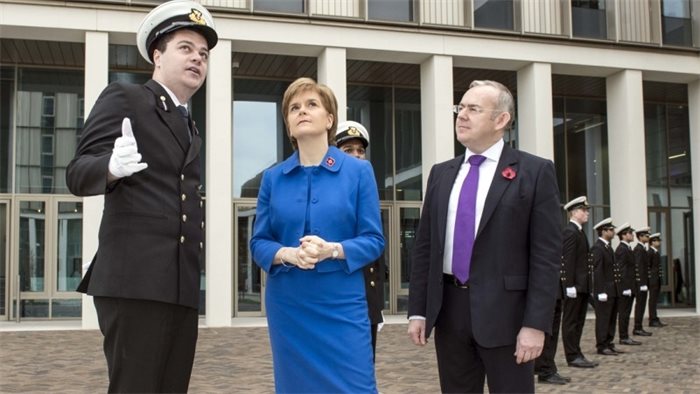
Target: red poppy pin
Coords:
[(330, 161), (508, 173)]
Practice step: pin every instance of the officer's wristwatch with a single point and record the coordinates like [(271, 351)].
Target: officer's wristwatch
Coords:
[(335, 252)]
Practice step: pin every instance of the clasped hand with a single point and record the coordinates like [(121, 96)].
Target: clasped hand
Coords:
[(312, 250)]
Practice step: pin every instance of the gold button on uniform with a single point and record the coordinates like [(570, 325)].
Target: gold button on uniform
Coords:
[(371, 283), (182, 177), (201, 245), (202, 225), (184, 197), (184, 218), (182, 239), (201, 203), (371, 269)]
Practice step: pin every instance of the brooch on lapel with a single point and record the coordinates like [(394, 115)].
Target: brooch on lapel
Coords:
[(508, 173), (330, 161)]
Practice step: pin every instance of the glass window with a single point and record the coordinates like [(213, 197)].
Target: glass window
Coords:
[(407, 129), (390, 10), (32, 225), (581, 149), (677, 23), (249, 285), (4, 237), (69, 245), (7, 77), (656, 154), (291, 6), (49, 120), (588, 18), (408, 226), (493, 14)]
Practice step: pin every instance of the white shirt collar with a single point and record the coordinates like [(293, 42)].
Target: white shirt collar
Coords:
[(493, 153), (577, 225), (626, 243), (654, 249), (604, 241), (172, 96)]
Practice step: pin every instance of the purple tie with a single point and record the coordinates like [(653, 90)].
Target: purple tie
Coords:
[(465, 221)]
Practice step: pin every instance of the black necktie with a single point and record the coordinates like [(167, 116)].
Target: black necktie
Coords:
[(186, 118)]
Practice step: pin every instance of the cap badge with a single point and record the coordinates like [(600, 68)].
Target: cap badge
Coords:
[(330, 161), (508, 173), (196, 17), (354, 132)]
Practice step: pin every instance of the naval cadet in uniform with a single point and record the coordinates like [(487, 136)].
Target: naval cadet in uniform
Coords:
[(353, 139), (655, 276), (140, 149), (641, 264), (625, 260)]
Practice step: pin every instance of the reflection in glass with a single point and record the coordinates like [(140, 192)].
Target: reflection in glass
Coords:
[(6, 89), (656, 154), (249, 274), (390, 10), (588, 18), (407, 126), (658, 220), (386, 256), (679, 173), (408, 225), (3, 257), (69, 245), (32, 223), (49, 118), (677, 23), (34, 308), (493, 14), (291, 6), (66, 307)]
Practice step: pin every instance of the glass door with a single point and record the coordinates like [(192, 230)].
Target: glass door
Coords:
[(248, 278), (4, 257), (402, 242)]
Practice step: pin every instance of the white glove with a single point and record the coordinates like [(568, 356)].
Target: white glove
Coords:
[(643, 288), (125, 155), (627, 292), (602, 297), (571, 292)]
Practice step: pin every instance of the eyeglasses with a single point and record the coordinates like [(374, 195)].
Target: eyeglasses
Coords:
[(471, 108)]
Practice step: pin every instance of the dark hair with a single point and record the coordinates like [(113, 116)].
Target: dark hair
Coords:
[(161, 43), (327, 100)]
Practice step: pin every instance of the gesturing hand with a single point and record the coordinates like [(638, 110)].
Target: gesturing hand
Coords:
[(125, 160)]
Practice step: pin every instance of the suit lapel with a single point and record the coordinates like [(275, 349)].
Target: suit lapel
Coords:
[(169, 114), (443, 194), (499, 184)]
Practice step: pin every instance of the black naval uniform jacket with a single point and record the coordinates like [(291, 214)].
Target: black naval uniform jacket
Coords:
[(625, 260), (655, 274), (606, 274), (374, 287), (152, 230), (641, 267), (575, 260)]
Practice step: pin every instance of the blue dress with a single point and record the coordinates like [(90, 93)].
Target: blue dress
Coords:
[(317, 319)]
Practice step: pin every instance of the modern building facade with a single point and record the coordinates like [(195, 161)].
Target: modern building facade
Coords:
[(608, 89)]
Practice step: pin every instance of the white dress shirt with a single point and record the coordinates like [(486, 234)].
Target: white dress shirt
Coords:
[(173, 97), (487, 169), (580, 228)]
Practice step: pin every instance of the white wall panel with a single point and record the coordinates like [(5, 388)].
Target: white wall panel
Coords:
[(442, 12)]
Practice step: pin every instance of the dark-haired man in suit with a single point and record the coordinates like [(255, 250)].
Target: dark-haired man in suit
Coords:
[(140, 149), (486, 261)]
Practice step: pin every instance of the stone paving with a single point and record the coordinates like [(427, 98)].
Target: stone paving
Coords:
[(237, 360)]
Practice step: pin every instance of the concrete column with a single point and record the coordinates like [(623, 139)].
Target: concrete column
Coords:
[(219, 211), (628, 181), (332, 72), (96, 79), (694, 122), (437, 122), (534, 114)]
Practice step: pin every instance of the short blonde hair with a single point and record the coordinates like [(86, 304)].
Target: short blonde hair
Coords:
[(330, 104), (505, 101)]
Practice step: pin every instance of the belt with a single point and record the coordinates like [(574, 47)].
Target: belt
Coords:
[(452, 280)]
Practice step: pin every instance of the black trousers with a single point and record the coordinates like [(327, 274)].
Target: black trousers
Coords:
[(653, 300), (605, 318), (149, 345), (625, 311), (463, 365), (544, 364), (639, 309), (572, 325), (373, 331)]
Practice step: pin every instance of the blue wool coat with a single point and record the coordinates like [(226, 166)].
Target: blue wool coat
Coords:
[(318, 322)]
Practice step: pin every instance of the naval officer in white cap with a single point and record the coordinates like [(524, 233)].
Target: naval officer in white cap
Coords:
[(140, 149)]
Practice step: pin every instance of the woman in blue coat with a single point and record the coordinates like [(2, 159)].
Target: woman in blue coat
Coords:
[(317, 225)]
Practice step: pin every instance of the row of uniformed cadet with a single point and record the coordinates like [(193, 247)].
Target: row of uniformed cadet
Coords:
[(610, 280)]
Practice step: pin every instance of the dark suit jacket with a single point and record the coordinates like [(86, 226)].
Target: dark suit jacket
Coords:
[(625, 260), (575, 260), (654, 269), (606, 274), (641, 264), (516, 257), (151, 234)]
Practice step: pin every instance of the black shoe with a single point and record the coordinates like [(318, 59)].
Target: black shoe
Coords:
[(629, 341), (554, 378), (642, 333), (580, 362), (657, 323), (607, 352), (612, 347), (595, 363)]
